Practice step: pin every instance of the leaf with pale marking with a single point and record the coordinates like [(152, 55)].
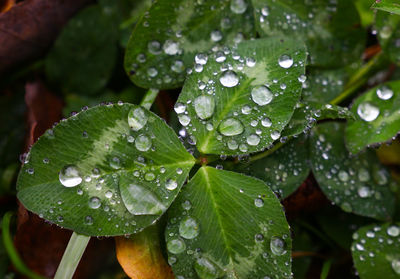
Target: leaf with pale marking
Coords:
[(358, 184), (391, 6), (242, 108), (167, 38), (109, 170), (227, 225), (376, 251), (378, 117)]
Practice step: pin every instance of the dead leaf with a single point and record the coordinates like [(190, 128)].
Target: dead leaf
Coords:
[(28, 29), (6, 5), (140, 256)]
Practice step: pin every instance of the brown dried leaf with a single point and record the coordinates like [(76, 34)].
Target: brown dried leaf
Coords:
[(29, 28), (140, 256)]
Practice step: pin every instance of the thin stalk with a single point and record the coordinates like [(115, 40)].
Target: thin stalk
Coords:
[(268, 151), (149, 98), (12, 252), (72, 255)]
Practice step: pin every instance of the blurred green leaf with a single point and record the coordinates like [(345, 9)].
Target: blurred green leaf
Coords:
[(391, 6)]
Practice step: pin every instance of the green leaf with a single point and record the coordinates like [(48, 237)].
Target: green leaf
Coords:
[(364, 9), (358, 184), (306, 116), (109, 170), (376, 251), (285, 169), (241, 106), (83, 56), (391, 6), (331, 29), (165, 41), (227, 225), (378, 117), (388, 31)]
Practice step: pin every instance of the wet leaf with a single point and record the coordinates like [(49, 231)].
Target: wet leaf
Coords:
[(83, 56), (227, 225), (110, 170), (141, 257), (164, 43), (388, 33), (30, 37), (242, 108), (358, 184), (391, 6), (378, 117), (285, 169), (375, 251), (331, 29)]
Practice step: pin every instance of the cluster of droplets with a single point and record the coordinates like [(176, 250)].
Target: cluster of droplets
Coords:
[(368, 111), (383, 242)]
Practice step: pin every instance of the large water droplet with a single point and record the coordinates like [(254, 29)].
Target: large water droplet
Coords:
[(258, 202), (94, 202), (171, 184), (367, 111), (188, 228), (278, 246), (141, 201), (170, 47), (261, 95), (238, 6), (184, 119), (396, 266), (393, 231), (137, 118), (384, 93), (143, 143), (69, 176), (285, 61), (176, 246), (154, 47), (364, 192), (179, 108), (266, 122), (204, 106), (231, 127), (229, 79), (253, 140), (207, 269)]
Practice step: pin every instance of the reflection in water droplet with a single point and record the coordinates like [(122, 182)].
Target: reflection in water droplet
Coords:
[(94, 202), (229, 79), (258, 202), (285, 61), (367, 111), (275, 135), (384, 93), (143, 143), (238, 6), (170, 47), (171, 184), (253, 140), (278, 246), (231, 127), (266, 122), (393, 231), (179, 108), (139, 200), (137, 118), (69, 176), (176, 246), (204, 106), (188, 228), (184, 119), (261, 95)]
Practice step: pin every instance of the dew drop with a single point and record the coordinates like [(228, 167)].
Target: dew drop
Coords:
[(176, 246), (204, 106), (367, 111), (229, 79), (206, 269), (201, 58), (393, 231), (384, 93), (141, 201), (179, 108), (94, 202), (89, 220), (396, 266), (253, 140), (278, 246), (364, 192), (188, 228), (143, 143), (231, 127), (115, 163), (285, 61), (154, 47), (233, 145), (170, 47), (261, 95), (171, 184), (258, 202), (137, 119), (238, 6), (69, 176), (184, 119), (275, 135), (266, 122)]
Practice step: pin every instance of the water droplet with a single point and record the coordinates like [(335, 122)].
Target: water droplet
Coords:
[(393, 231), (384, 93), (188, 228), (176, 246), (152, 72), (278, 246), (258, 202), (229, 79), (261, 95), (346, 207), (201, 58), (184, 119), (149, 176), (137, 119), (89, 220), (171, 184), (259, 237), (266, 122), (143, 143), (108, 194), (367, 111), (233, 145), (115, 163), (253, 140), (396, 266), (69, 176), (364, 192), (179, 108), (204, 106), (216, 36), (187, 205), (285, 61), (206, 269), (154, 47), (141, 201), (250, 62), (343, 176), (363, 175), (231, 127), (178, 66), (238, 6), (302, 78), (94, 202), (275, 135), (170, 47)]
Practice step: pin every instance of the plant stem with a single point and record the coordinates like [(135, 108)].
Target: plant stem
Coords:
[(268, 151), (12, 252), (72, 255), (149, 98)]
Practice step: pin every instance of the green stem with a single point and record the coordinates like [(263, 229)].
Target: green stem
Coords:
[(72, 255), (325, 269), (268, 151), (149, 98), (365, 69), (12, 252)]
